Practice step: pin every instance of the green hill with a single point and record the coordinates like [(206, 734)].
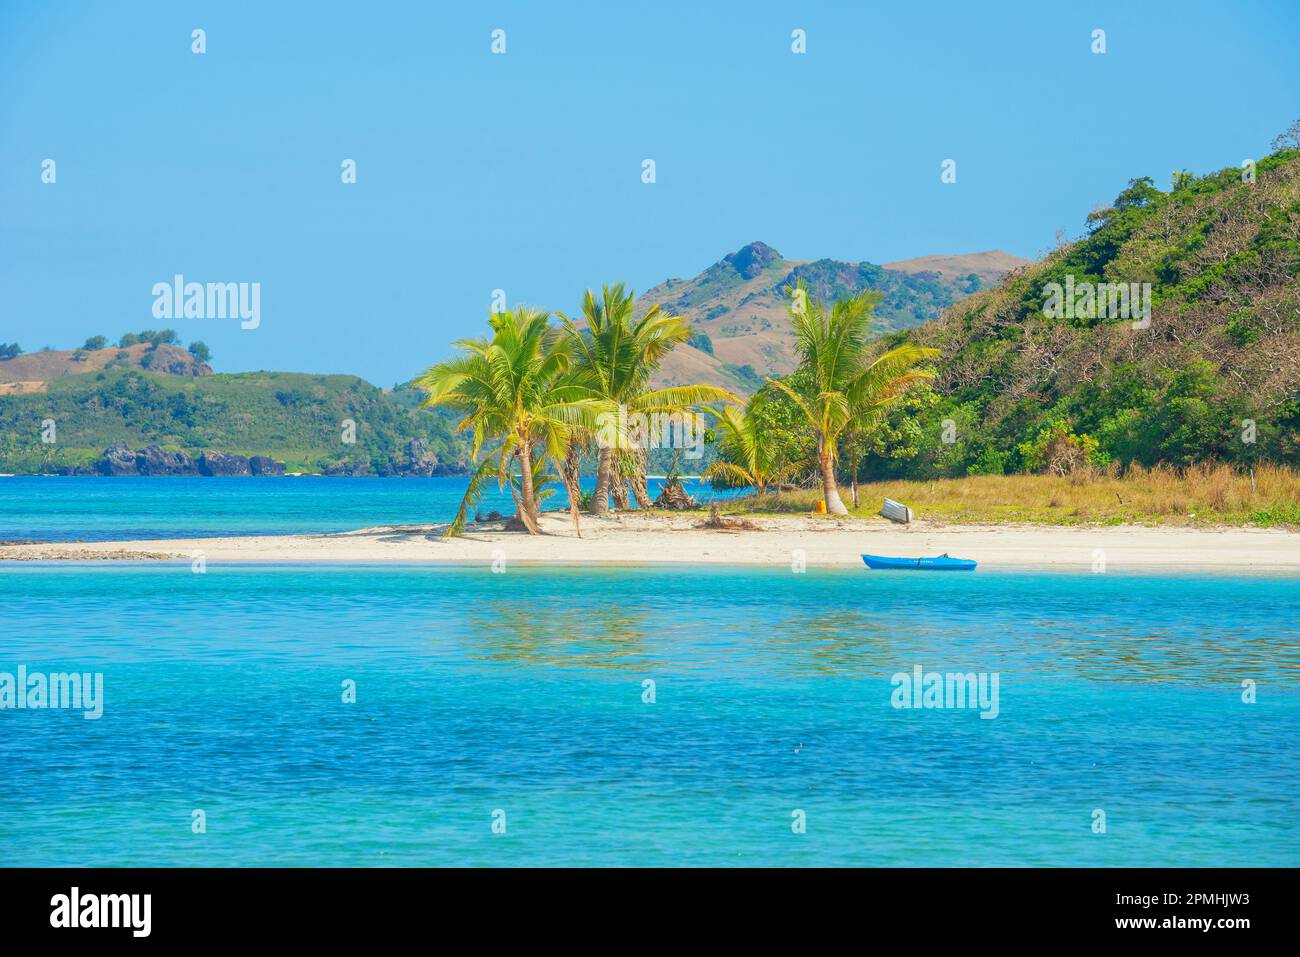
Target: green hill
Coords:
[(297, 418), (1214, 375)]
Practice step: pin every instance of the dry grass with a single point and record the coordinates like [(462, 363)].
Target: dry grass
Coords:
[(1199, 495), (36, 368)]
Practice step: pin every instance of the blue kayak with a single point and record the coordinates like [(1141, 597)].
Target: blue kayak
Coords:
[(942, 563)]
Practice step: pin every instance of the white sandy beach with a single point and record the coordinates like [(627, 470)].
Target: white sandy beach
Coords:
[(644, 539)]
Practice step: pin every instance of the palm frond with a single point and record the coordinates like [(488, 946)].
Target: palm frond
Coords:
[(478, 481), (679, 398), (731, 472)]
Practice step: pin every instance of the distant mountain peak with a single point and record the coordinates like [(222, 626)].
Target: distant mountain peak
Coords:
[(737, 308), (751, 260)]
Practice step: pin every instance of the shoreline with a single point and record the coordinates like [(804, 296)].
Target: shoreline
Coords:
[(667, 539)]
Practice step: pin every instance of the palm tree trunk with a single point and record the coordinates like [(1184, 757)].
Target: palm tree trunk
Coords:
[(528, 511), (570, 470), (640, 486), (830, 491), (572, 484), (853, 487), (604, 472), (519, 507), (618, 488)]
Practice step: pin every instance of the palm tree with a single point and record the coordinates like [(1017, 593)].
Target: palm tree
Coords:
[(518, 389), (617, 354), (848, 390), (747, 455)]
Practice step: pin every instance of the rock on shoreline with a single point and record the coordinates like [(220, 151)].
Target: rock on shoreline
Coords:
[(416, 459), (153, 460)]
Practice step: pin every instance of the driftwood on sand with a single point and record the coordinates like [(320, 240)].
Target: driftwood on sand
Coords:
[(716, 521), (674, 496)]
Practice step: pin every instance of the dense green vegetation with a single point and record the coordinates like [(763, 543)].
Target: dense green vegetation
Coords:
[(293, 417), (1214, 376)]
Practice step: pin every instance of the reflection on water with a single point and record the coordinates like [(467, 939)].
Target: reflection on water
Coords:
[(706, 620), (511, 631), (1120, 628)]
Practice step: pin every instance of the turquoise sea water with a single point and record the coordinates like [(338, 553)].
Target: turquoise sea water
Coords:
[(523, 692), (96, 508)]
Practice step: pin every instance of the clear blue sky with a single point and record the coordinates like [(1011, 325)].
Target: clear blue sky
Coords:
[(523, 172)]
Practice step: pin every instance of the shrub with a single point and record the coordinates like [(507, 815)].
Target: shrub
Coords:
[(1059, 451)]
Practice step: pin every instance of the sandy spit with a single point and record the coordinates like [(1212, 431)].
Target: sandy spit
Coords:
[(654, 539)]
